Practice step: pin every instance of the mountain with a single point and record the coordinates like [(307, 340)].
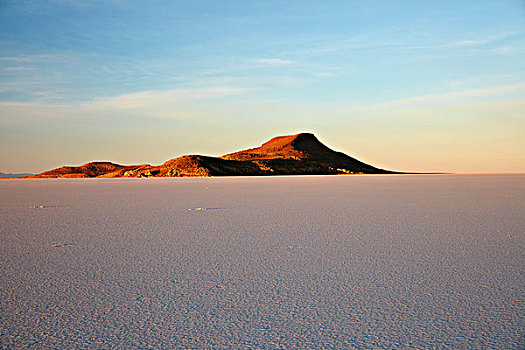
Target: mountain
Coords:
[(11, 176), (301, 154)]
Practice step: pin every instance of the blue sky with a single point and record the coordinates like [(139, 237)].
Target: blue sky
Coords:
[(406, 85)]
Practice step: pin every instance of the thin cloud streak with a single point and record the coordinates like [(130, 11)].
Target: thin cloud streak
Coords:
[(146, 99), (385, 41), (172, 104), (449, 97), (177, 102), (272, 62), (40, 58)]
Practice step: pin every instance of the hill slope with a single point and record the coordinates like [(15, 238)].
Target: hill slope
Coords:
[(302, 152)]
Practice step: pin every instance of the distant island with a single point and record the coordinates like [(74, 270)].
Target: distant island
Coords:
[(301, 154), (11, 176)]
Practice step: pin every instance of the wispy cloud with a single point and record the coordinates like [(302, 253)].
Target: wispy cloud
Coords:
[(386, 40), (173, 104), (37, 58), (452, 97), (21, 59), (223, 101), (26, 76), (466, 43), (271, 62), (162, 99)]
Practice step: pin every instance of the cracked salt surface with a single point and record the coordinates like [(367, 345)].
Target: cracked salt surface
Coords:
[(328, 262)]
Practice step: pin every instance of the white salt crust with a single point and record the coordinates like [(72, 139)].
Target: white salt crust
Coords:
[(314, 262)]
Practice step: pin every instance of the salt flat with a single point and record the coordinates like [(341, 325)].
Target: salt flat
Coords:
[(322, 262)]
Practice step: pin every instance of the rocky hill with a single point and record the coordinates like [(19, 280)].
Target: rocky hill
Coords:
[(301, 154), (93, 169)]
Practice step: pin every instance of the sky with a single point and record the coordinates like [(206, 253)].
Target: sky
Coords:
[(402, 85)]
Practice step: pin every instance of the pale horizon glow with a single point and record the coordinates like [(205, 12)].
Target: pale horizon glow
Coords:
[(410, 87)]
